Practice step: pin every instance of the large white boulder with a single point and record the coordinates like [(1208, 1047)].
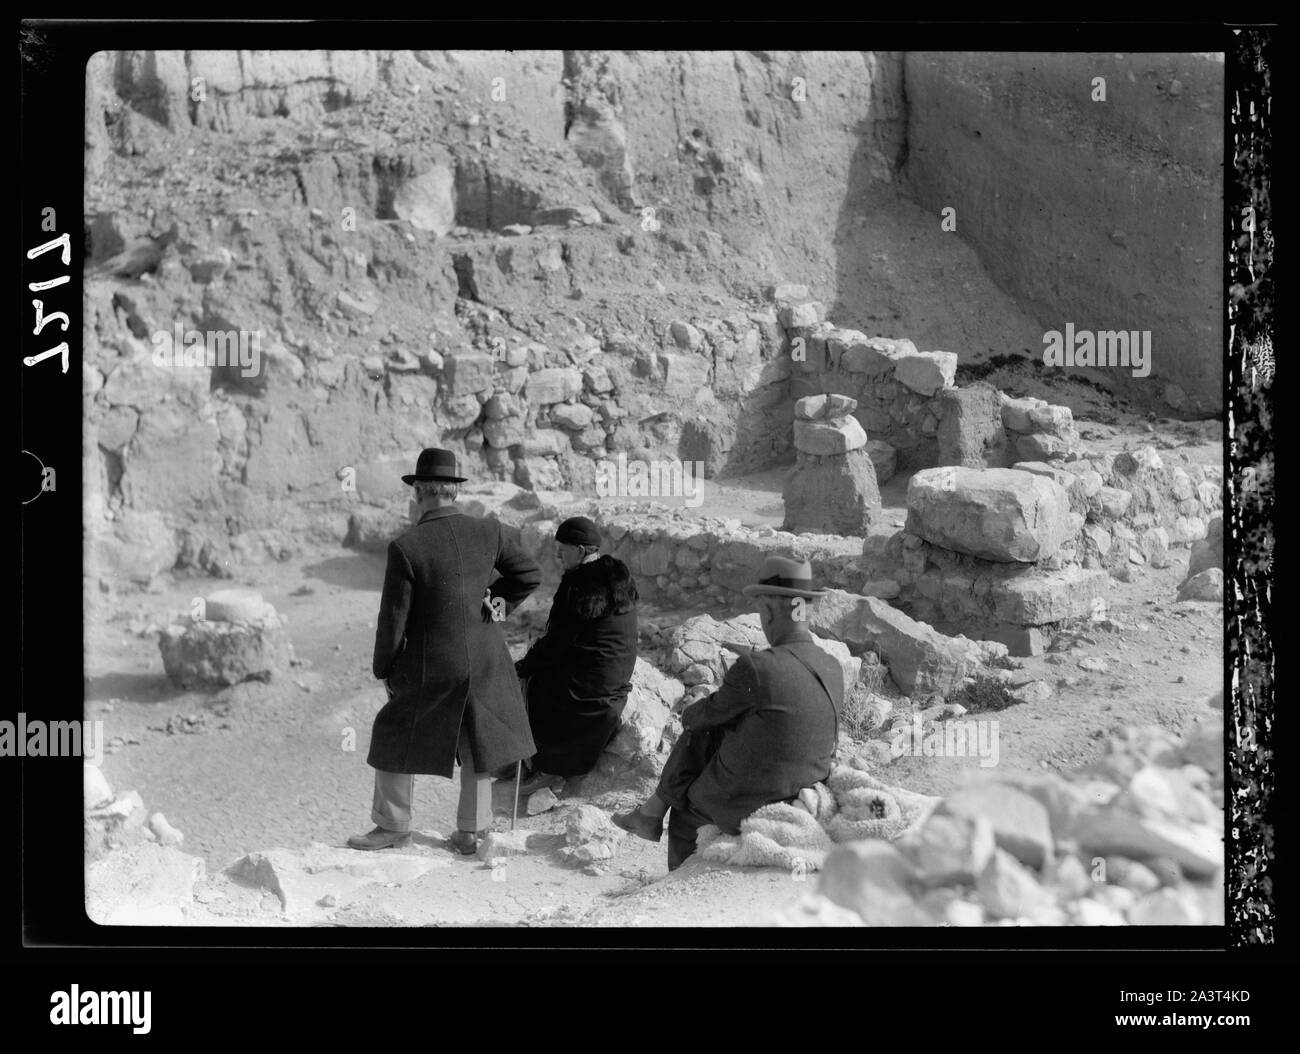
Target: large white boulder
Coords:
[(998, 514)]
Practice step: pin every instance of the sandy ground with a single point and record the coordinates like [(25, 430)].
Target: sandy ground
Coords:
[(283, 764)]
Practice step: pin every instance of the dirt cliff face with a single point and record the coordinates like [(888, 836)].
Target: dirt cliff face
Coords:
[(537, 259), (1102, 212)]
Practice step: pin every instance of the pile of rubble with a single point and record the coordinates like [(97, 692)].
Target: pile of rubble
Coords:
[(136, 874), (1136, 838)]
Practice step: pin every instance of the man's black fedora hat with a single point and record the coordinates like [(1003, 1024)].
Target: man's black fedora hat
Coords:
[(436, 466)]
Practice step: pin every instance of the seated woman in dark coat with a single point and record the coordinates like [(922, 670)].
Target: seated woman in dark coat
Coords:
[(579, 674)]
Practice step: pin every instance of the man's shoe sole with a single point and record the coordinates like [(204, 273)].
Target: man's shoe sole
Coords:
[(405, 840), (462, 848), (630, 828)]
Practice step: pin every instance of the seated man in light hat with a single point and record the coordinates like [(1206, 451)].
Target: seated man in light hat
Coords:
[(768, 732)]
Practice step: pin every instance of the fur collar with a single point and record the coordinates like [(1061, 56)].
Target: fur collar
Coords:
[(596, 589)]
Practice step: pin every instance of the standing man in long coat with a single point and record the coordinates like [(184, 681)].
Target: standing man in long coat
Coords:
[(452, 690), (580, 673)]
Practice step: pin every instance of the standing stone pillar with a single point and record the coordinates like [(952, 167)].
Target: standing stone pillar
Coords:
[(832, 488)]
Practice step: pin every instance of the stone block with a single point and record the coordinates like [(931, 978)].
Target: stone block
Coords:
[(951, 850), (1208, 551), (1052, 420), (876, 881), (831, 495), (504, 432), (1110, 503), (1020, 823), (686, 336), (466, 374), (920, 659), (1008, 891), (1041, 597), (553, 385), (997, 514), (1207, 585), (827, 437), (596, 379), (926, 372), (1015, 413), (970, 431), (801, 315), (875, 356), (205, 654), (884, 458), (575, 416)]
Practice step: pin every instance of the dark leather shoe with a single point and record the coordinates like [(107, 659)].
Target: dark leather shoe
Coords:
[(466, 842), (539, 780), (638, 823), (379, 839)]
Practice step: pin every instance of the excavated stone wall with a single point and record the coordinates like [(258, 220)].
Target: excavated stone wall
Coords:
[(541, 260)]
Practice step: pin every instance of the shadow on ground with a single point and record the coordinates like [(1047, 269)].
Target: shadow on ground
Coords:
[(363, 571)]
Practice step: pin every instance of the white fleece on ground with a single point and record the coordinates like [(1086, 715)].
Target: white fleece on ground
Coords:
[(851, 806)]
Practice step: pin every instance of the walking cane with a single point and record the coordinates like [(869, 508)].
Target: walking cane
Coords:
[(519, 765), (519, 775)]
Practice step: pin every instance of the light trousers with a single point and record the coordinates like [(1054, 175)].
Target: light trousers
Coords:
[(394, 791)]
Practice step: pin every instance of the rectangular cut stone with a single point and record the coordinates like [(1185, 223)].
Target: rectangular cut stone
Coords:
[(1110, 503), (832, 495), (1015, 412), (970, 431), (823, 438), (874, 356), (1076, 486), (807, 313), (684, 375), (1036, 599), (1052, 420), (553, 385), (466, 374), (997, 513), (919, 657)]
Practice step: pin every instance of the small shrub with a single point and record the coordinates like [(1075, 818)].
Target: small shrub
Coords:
[(872, 678), (984, 694)]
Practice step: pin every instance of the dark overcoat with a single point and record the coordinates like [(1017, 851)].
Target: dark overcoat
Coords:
[(777, 731), (579, 673), (443, 663)]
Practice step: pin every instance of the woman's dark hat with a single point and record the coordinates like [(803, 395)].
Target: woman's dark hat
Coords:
[(578, 531), (436, 466), (784, 578)]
